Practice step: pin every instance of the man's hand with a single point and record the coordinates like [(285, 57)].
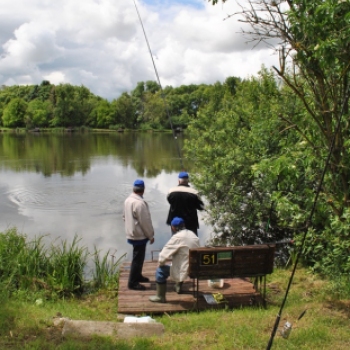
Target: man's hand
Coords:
[(151, 241)]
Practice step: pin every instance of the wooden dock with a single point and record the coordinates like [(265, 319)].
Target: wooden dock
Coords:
[(237, 292)]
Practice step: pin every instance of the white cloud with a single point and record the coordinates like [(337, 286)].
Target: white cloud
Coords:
[(100, 43), (33, 44), (55, 78)]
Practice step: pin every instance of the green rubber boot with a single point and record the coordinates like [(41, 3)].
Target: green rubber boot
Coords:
[(178, 286), (161, 291)]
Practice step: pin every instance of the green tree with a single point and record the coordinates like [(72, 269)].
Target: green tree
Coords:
[(125, 111), (68, 105), (63, 109), (83, 104), (14, 113), (149, 107), (104, 114), (38, 113), (176, 104), (231, 84), (231, 148), (138, 101), (152, 86), (155, 114)]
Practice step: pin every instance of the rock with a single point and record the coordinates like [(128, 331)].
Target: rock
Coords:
[(115, 329), (59, 321)]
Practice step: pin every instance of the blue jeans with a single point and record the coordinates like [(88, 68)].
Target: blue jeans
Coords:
[(162, 273)]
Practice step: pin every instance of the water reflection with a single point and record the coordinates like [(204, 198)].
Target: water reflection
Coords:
[(75, 184)]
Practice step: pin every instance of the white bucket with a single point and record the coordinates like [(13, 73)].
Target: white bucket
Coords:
[(216, 283), (133, 319)]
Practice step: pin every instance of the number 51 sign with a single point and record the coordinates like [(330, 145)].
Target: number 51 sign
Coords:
[(212, 258), (209, 259)]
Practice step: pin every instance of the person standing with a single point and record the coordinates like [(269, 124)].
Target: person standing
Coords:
[(184, 202), (177, 249), (139, 230)]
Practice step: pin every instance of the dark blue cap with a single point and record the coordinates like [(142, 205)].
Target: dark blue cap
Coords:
[(183, 175), (139, 183), (177, 221)]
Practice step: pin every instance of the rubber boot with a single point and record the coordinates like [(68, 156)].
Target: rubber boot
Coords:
[(161, 291), (178, 286)]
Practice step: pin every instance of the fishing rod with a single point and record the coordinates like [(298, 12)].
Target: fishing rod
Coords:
[(309, 221), (161, 88)]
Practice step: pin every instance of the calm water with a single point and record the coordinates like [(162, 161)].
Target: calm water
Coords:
[(61, 185)]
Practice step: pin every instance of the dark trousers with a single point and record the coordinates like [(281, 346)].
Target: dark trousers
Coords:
[(138, 257)]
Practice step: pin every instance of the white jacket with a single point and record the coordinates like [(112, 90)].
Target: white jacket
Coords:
[(178, 248), (137, 217)]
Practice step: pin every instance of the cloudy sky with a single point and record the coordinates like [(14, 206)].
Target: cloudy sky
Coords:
[(100, 43)]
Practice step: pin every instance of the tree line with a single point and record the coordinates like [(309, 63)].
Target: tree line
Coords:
[(146, 107)]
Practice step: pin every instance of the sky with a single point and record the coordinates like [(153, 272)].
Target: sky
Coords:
[(100, 44)]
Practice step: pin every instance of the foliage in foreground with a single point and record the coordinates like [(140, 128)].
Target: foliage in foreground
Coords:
[(261, 178), (284, 157), (324, 326), (56, 272)]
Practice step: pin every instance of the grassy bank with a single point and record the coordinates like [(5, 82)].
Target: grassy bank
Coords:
[(324, 326), (27, 319)]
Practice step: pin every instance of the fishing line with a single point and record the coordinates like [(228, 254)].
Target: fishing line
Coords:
[(161, 89), (308, 222)]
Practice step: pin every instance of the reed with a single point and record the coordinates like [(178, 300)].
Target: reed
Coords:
[(66, 264), (22, 263), (58, 271), (106, 271)]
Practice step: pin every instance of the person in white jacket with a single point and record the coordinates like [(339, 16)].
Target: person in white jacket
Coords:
[(139, 230), (176, 249)]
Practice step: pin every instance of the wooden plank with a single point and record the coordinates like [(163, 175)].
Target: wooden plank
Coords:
[(237, 291)]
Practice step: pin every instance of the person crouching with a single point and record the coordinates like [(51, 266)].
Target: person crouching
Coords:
[(177, 249)]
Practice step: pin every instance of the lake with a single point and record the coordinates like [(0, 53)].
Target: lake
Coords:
[(66, 184)]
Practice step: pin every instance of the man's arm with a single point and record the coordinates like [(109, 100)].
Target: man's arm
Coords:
[(169, 250), (200, 204)]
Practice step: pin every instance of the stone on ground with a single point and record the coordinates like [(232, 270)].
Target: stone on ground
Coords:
[(115, 329)]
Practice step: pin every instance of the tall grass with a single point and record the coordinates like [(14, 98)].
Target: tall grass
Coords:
[(28, 265), (66, 264), (22, 263), (106, 272)]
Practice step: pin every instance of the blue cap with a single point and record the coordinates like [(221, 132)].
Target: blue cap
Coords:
[(139, 183), (183, 175), (177, 221)]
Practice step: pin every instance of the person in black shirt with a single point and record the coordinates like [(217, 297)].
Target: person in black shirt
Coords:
[(184, 202)]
